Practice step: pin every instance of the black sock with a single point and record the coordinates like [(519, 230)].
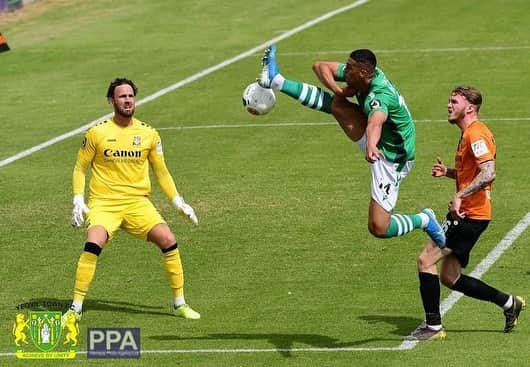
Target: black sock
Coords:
[(476, 288), (430, 296)]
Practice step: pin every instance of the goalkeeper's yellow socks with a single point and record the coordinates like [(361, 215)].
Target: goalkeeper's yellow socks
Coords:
[(86, 268), (308, 95), (401, 224), (175, 274)]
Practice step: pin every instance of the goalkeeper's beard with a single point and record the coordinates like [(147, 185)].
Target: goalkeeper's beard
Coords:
[(125, 113)]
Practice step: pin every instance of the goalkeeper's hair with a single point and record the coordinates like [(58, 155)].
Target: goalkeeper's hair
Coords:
[(117, 82), (472, 94), (365, 57)]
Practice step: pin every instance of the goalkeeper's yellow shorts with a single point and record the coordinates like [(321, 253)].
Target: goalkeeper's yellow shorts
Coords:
[(137, 216)]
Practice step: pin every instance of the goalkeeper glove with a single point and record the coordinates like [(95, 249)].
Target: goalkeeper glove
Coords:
[(79, 209), (185, 209)]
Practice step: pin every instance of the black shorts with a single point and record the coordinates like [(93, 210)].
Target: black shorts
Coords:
[(462, 234)]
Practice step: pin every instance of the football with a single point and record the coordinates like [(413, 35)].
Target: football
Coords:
[(258, 100)]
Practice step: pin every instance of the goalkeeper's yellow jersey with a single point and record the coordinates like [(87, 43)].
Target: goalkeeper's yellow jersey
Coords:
[(119, 158)]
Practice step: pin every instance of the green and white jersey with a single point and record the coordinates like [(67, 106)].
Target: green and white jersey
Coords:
[(398, 135)]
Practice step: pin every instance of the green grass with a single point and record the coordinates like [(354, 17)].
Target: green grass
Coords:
[(282, 257)]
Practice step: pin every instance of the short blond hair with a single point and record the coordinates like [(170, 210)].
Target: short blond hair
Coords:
[(471, 94)]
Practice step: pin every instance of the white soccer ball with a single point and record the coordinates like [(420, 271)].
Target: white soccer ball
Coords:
[(258, 100)]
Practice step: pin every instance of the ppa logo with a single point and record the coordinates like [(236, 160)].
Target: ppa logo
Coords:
[(113, 343)]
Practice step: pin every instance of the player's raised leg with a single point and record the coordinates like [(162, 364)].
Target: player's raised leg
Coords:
[(306, 94), (383, 224), (433, 228), (350, 117)]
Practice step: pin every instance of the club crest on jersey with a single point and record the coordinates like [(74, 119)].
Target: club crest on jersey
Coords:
[(137, 140), (375, 104)]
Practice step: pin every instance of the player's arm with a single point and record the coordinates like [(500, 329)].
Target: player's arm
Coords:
[(328, 74), (483, 147), (374, 127), (485, 176), (167, 184), (163, 177), (85, 156)]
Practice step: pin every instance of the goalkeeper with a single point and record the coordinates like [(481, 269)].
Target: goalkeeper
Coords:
[(119, 152), (380, 124)]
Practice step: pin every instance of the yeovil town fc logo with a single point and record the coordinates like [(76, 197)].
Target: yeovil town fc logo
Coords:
[(39, 335)]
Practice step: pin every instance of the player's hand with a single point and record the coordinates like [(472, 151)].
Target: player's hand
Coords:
[(373, 154), (439, 169), (79, 210), (185, 209), (348, 91), (454, 207)]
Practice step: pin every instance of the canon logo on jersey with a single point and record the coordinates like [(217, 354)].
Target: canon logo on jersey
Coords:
[(122, 153)]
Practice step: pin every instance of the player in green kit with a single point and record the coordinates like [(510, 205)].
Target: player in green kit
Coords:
[(379, 123)]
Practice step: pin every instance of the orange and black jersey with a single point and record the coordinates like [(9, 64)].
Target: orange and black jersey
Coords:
[(476, 146)]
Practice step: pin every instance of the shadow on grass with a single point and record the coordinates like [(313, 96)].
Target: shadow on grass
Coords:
[(285, 343), (102, 305), (403, 325)]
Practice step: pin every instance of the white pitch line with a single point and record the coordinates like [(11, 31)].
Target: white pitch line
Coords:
[(413, 50), (446, 305), (83, 128), (270, 350), (188, 80), (226, 126), (482, 268), (287, 124), (250, 350)]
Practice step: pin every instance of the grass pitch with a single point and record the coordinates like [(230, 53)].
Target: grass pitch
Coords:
[(281, 265)]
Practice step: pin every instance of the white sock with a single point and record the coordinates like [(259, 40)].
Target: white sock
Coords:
[(509, 303), (77, 306), (179, 301), (435, 327), (277, 82), (424, 219)]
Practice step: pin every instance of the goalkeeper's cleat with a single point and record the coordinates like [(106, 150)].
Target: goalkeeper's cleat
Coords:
[(70, 315), (270, 67), (186, 312), (433, 229), (423, 332), (512, 314)]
